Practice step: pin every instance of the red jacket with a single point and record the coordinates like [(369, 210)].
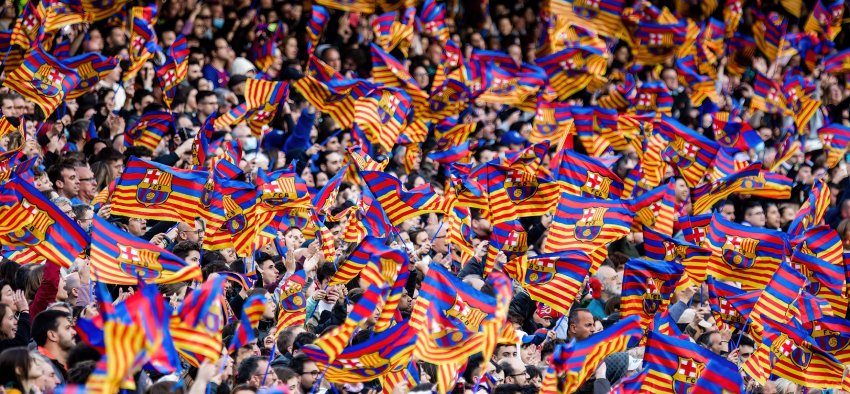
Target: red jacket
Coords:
[(46, 293)]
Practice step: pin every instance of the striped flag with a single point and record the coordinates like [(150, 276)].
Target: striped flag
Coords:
[(705, 196), (201, 146), (584, 176), (729, 304), (196, 328), (233, 217), (91, 68), (719, 377), (655, 209), (689, 151), (118, 257), (433, 20), (361, 6), (319, 17), (778, 300), (143, 38), (381, 116), (60, 13), (587, 225), (603, 17), (333, 342), (553, 279), (577, 361), (831, 334), (400, 204), (572, 69), (675, 365), (43, 79), (551, 121), (768, 96), (103, 9), (826, 18), (292, 307), (148, 189), (149, 130), (813, 210), (835, 139), (837, 63), (769, 32), (37, 226), (252, 311), (745, 254), (662, 247), (173, 71), (647, 286)]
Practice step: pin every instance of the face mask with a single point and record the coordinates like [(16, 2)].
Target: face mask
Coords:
[(250, 144), (218, 23)]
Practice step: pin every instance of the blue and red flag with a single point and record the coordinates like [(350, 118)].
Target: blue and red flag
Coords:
[(837, 63), (149, 130), (675, 365), (174, 69), (39, 226), (586, 177), (319, 17), (43, 79), (148, 189), (729, 304), (553, 278), (745, 254), (433, 20), (91, 68), (663, 247), (399, 204), (835, 138), (252, 311), (689, 151), (832, 334), (121, 258), (647, 286), (201, 146), (586, 224)]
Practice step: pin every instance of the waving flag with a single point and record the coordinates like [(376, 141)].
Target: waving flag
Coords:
[(318, 20), (29, 26), (647, 286), (43, 79), (719, 377), (729, 304), (292, 307), (572, 69), (660, 246), (283, 190), (399, 204), (39, 226), (392, 268), (769, 33), (689, 151), (586, 177), (91, 68), (553, 279), (837, 63), (777, 301), (831, 334), (103, 9), (173, 71), (433, 19), (233, 217), (826, 18), (148, 189), (118, 257), (655, 209), (333, 342), (768, 96), (818, 256), (586, 225), (675, 365), (453, 145), (604, 17), (787, 351), (835, 139), (143, 39), (813, 209), (196, 328), (744, 254), (149, 130), (381, 116), (377, 357), (551, 121), (658, 40), (252, 311), (261, 101), (388, 71), (707, 195), (201, 148), (577, 361), (449, 316)]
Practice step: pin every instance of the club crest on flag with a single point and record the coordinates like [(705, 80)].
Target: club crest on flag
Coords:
[(672, 251), (540, 270), (520, 185), (652, 298), (87, 72), (47, 81), (291, 301), (516, 242), (728, 312), (739, 252), (588, 227), (829, 340), (387, 106), (587, 9), (469, 316), (597, 185), (279, 191), (503, 87), (234, 220), (682, 153), (687, 373), (444, 97), (142, 264), (36, 230), (544, 120), (154, 188), (206, 196)]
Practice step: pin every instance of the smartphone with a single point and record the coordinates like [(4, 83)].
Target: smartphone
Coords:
[(705, 325)]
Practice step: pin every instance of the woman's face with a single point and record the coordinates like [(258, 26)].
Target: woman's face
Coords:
[(421, 239), (268, 270), (772, 217), (6, 294), (290, 50), (9, 325), (294, 238)]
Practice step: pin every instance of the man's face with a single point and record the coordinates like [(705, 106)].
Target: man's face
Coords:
[(715, 345), (65, 334), (520, 376), (117, 167), (69, 184), (744, 352), (728, 212), (268, 271), (582, 327), (137, 227), (8, 107), (61, 292), (755, 216), (333, 163), (88, 186), (670, 79), (682, 191), (309, 376), (504, 352)]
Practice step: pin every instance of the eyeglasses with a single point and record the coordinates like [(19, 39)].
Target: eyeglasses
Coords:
[(86, 179)]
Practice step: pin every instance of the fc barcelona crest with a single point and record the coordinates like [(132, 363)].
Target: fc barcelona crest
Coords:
[(829, 340), (234, 220), (590, 224), (597, 185), (387, 106), (206, 195), (520, 185), (36, 228), (139, 263), (47, 81), (652, 298), (739, 252), (688, 371), (682, 153), (154, 188)]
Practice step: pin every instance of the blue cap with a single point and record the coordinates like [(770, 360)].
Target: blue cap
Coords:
[(535, 339), (513, 138)]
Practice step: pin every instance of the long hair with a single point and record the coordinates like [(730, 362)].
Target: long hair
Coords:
[(15, 364)]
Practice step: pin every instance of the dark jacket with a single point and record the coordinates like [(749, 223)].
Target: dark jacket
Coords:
[(22, 336)]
